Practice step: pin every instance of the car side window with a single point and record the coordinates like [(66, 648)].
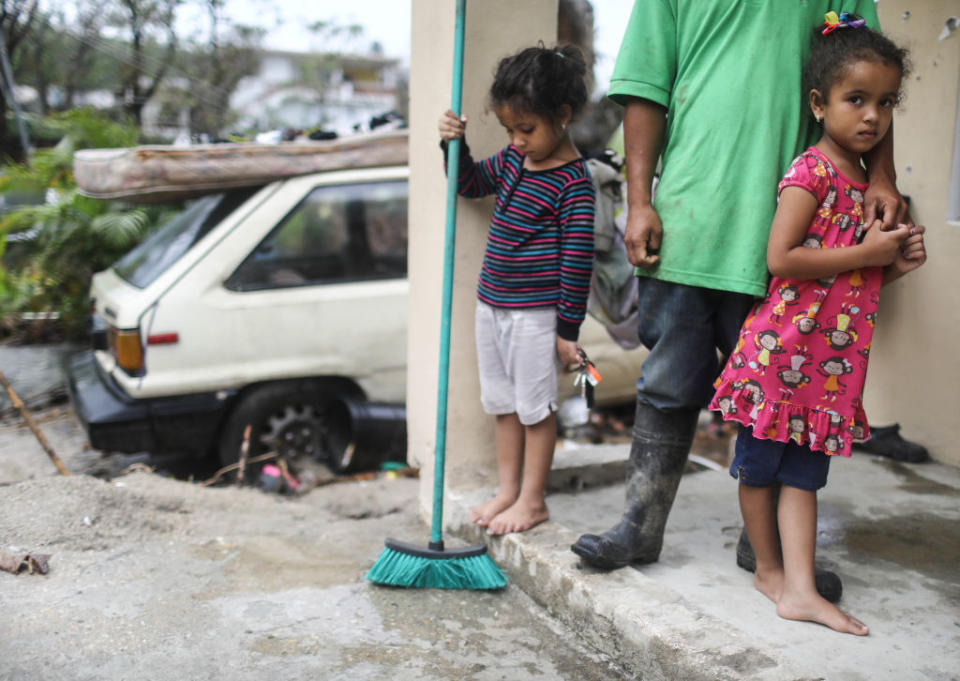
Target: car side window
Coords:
[(337, 234)]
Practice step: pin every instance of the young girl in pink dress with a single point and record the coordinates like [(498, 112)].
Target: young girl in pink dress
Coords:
[(796, 377)]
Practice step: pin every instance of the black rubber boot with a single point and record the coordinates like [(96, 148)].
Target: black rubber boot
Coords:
[(661, 443), (828, 583), (887, 441)]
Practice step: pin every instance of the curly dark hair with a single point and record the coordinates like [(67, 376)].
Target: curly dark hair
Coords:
[(541, 80), (832, 54)]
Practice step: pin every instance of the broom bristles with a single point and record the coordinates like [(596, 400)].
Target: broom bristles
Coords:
[(424, 568)]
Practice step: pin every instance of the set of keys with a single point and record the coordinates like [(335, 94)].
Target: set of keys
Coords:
[(587, 377)]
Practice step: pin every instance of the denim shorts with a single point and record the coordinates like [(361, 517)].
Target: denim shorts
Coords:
[(683, 327), (759, 463)]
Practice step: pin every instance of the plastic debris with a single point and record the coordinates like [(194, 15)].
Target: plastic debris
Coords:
[(277, 478)]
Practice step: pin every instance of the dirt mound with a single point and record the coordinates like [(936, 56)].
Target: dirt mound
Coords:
[(82, 513)]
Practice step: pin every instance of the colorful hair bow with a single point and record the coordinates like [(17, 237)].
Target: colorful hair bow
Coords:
[(831, 22)]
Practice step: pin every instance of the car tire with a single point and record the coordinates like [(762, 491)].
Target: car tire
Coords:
[(290, 418)]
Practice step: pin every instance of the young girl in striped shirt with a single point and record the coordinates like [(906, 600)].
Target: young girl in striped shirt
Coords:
[(535, 278)]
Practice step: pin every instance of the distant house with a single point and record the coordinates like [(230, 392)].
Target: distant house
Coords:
[(306, 90)]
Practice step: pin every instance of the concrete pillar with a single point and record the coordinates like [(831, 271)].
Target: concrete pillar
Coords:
[(494, 29)]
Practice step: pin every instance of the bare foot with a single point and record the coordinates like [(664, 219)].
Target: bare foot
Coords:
[(816, 609), (482, 514), (769, 583), (519, 517)]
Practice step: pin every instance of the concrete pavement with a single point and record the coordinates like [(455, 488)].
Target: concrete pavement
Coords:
[(889, 530)]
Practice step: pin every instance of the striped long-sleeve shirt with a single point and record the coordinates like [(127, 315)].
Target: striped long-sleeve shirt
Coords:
[(540, 247)]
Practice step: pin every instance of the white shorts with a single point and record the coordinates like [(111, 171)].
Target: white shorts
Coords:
[(517, 359)]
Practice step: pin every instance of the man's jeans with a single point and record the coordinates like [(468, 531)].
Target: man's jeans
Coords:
[(683, 327)]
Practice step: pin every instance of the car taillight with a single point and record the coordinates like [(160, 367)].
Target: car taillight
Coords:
[(125, 347), (163, 338)]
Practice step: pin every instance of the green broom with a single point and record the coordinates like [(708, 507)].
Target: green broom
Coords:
[(403, 564)]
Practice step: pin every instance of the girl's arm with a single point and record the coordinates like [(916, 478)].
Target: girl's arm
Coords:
[(788, 258), (473, 179), (576, 212)]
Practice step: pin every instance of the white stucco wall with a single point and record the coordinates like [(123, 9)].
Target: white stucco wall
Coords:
[(914, 376)]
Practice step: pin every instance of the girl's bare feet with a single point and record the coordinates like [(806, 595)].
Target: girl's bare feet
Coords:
[(518, 518), (482, 514), (816, 609), (769, 583)]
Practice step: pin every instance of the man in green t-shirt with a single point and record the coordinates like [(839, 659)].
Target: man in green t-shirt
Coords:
[(712, 90)]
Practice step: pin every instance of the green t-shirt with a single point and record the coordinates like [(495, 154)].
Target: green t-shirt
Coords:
[(729, 73)]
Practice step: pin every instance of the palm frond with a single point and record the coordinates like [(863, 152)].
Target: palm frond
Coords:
[(121, 229)]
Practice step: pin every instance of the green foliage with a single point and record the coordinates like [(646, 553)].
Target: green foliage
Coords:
[(88, 128), (60, 244), (52, 168), (67, 243)]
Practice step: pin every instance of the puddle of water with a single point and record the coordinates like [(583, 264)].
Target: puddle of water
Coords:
[(923, 542), (913, 482)]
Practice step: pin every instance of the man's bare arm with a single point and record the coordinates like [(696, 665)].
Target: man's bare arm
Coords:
[(882, 200), (644, 124)]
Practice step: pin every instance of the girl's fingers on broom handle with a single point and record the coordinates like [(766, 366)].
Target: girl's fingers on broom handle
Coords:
[(450, 126)]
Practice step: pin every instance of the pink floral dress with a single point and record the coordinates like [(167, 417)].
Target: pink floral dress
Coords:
[(798, 369)]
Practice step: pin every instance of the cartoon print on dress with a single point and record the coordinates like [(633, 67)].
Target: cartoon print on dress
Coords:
[(828, 328), (791, 376), (768, 342), (832, 443), (754, 394), (819, 168), (833, 368), (788, 296), (856, 284), (823, 288), (737, 358), (826, 208), (843, 221), (726, 404), (856, 212), (796, 425), (856, 431), (806, 322), (841, 335)]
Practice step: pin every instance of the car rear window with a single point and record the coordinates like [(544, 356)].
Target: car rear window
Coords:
[(141, 266)]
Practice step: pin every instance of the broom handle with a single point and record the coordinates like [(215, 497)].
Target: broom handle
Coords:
[(453, 169)]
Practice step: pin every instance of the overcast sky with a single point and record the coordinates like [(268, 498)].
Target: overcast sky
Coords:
[(388, 22)]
